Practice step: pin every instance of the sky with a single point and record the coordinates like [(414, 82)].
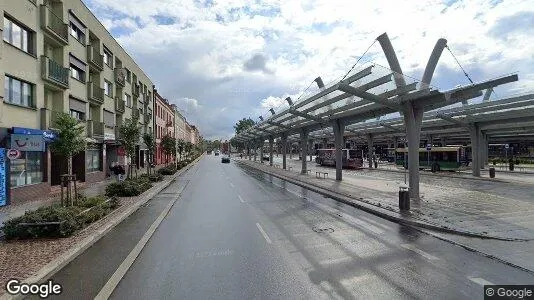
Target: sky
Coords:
[(221, 61)]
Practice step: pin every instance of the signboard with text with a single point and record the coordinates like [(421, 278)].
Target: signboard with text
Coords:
[(3, 180), (25, 142)]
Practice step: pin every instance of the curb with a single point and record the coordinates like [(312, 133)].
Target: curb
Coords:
[(351, 202), (57, 264)]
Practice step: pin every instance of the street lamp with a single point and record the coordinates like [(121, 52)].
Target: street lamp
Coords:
[(289, 101), (261, 118), (272, 111)]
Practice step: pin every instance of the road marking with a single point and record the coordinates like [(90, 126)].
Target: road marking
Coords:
[(263, 233), (480, 281), (240, 199), (335, 260), (419, 251), (114, 280), (231, 185)]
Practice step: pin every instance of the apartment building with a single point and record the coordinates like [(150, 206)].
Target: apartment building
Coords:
[(179, 123), (163, 125), (57, 57)]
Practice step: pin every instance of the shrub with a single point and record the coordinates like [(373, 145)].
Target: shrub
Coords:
[(66, 216), (155, 177), (128, 188), (168, 170), (90, 202)]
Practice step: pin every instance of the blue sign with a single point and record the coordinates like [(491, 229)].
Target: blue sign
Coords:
[(25, 142), (3, 181), (47, 135)]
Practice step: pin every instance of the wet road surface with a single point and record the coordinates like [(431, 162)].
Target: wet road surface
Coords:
[(235, 233)]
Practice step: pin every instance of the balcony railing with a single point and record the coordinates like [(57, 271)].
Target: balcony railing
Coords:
[(135, 89), (95, 93), (54, 73), (95, 129), (54, 25), (119, 105), (95, 59), (120, 76)]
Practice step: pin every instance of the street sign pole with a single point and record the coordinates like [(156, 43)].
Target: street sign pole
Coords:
[(428, 148)]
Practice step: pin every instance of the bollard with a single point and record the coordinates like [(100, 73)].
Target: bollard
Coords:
[(404, 198), (376, 164), (492, 172)]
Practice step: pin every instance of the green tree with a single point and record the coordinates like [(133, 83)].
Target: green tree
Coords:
[(168, 145), (70, 140), (130, 133), (180, 146), (243, 125), (188, 148), (150, 142)]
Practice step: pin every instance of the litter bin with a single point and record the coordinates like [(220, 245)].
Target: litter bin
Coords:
[(404, 198), (492, 172)]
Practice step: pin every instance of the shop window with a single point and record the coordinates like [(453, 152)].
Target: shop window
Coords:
[(26, 170), (92, 160)]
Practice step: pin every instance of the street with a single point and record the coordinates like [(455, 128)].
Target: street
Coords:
[(236, 233)]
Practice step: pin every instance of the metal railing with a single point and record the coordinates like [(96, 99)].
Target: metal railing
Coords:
[(119, 105), (55, 72), (120, 77), (95, 129), (54, 23), (135, 89), (95, 92), (94, 56)]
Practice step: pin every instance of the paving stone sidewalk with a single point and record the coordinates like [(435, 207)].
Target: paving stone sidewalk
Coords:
[(451, 207)]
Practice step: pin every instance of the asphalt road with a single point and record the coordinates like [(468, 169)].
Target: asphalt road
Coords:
[(235, 233)]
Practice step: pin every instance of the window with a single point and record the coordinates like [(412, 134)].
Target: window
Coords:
[(108, 57), (18, 36), (26, 170), (77, 73), (109, 119), (128, 100), (77, 33), (92, 160), (18, 92), (128, 75), (108, 88), (80, 116)]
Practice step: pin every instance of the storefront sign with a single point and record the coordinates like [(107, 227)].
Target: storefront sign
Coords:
[(25, 142), (13, 153), (46, 134), (3, 181), (109, 137)]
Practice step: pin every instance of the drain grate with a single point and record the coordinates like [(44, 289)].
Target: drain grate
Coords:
[(319, 229)]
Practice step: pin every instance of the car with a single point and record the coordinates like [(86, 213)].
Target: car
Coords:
[(225, 159)]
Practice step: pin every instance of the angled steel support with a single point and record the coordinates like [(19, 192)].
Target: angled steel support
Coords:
[(277, 124), (452, 120), (367, 96), (391, 127)]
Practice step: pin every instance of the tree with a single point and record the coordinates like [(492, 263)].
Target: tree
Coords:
[(150, 142), (188, 147), (168, 145), (243, 125), (70, 140), (180, 146), (130, 132)]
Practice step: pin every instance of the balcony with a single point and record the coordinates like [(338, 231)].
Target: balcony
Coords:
[(95, 129), (119, 106), (95, 93), (95, 59), (49, 119), (135, 113), (135, 90), (120, 76), (54, 74), (54, 27)]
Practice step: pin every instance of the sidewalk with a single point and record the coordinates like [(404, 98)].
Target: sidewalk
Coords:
[(447, 207)]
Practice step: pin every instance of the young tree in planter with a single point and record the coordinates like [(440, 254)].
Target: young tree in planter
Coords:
[(168, 145), (70, 140), (130, 132), (188, 148), (150, 142), (180, 145)]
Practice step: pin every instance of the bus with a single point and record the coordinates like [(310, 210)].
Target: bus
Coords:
[(450, 158), (352, 158)]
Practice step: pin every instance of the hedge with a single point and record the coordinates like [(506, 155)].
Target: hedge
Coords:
[(55, 221), (168, 170), (155, 177), (129, 187)]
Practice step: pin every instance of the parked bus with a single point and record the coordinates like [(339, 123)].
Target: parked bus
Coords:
[(352, 158), (450, 158)]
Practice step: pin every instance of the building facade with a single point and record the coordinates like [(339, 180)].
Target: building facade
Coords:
[(57, 57), (163, 125)]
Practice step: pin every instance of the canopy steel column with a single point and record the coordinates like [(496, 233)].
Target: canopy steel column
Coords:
[(310, 146), (271, 142), (290, 150), (413, 116), (395, 143), (485, 149), (370, 150), (339, 129), (303, 145), (261, 151), (284, 150), (475, 135), (255, 152)]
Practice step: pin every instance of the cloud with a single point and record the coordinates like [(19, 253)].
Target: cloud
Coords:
[(238, 58)]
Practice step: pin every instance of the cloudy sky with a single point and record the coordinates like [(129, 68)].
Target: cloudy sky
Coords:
[(220, 61)]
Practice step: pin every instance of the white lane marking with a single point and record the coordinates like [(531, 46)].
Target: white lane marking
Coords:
[(335, 260), (419, 251), (240, 199), (231, 185), (114, 280), (480, 281), (265, 236)]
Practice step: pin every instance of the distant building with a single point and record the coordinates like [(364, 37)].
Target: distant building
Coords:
[(163, 125)]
